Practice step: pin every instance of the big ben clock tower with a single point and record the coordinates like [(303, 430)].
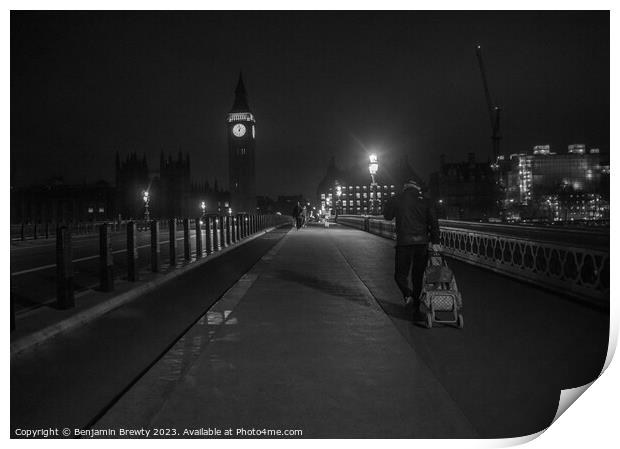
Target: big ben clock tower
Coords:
[(241, 146)]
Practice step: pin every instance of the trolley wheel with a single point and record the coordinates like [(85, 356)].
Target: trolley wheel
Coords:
[(460, 321), (429, 320)]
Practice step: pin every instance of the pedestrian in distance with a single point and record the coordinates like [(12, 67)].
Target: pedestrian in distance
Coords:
[(304, 216), (417, 228), (297, 210)]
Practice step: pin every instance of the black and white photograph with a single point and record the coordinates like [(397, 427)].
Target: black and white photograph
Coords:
[(327, 222)]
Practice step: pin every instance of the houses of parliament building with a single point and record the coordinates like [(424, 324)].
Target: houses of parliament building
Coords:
[(171, 189)]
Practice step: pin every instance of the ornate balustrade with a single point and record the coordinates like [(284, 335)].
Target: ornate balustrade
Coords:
[(559, 260)]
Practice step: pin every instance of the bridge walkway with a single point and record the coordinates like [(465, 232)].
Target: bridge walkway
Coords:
[(315, 337)]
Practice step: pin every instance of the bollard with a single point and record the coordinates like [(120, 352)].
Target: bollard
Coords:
[(106, 260), (234, 238), (208, 235), (224, 237), (132, 252), (198, 239), (239, 220), (64, 269), (155, 249), (217, 244), (172, 233), (186, 243), (246, 226), (235, 227), (229, 230)]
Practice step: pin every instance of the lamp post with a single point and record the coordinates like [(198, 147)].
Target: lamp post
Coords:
[(338, 193), (203, 206), (146, 198), (373, 167)]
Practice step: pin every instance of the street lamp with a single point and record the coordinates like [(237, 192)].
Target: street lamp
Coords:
[(338, 193), (146, 198), (203, 206), (373, 167)]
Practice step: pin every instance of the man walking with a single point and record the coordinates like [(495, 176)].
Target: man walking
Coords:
[(416, 226), (297, 211)]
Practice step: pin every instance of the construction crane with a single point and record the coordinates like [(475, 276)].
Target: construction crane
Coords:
[(494, 111)]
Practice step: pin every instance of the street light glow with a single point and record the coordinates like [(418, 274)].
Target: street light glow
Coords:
[(373, 166)]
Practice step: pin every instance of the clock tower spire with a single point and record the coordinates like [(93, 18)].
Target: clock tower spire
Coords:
[(241, 130), (241, 97)]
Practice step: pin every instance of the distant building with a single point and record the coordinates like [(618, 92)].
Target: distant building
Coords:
[(57, 202), (350, 191), (132, 178), (464, 190), (241, 128), (544, 185), (216, 200), (171, 191)]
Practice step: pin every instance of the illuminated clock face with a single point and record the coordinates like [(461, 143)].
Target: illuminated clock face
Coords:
[(238, 130)]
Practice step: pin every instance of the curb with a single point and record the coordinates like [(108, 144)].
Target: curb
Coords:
[(84, 317)]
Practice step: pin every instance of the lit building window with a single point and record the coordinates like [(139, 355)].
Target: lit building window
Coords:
[(101, 210)]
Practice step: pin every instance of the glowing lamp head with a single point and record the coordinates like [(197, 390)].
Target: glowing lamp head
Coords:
[(203, 205), (145, 196), (373, 165)]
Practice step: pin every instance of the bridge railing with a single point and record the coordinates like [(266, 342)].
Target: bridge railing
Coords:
[(570, 262), (201, 237)]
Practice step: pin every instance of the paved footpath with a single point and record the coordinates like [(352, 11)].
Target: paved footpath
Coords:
[(306, 331), (306, 347), (71, 379), (315, 337)]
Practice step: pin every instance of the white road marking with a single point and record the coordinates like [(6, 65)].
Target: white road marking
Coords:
[(82, 259)]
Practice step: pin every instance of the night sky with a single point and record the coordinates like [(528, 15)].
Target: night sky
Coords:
[(84, 85)]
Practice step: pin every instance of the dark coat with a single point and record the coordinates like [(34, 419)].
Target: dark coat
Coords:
[(416, 220), (296, 211)]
